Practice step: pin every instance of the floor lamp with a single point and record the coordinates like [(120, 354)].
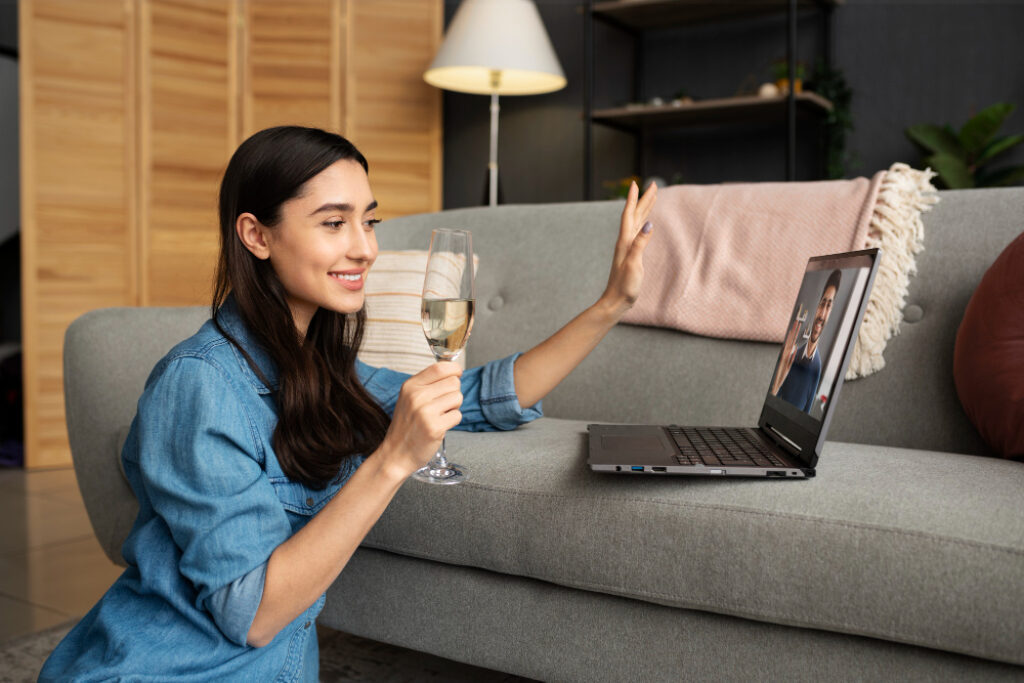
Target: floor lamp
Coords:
[(496, 47)]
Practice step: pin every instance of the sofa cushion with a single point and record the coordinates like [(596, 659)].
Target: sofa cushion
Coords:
[(909, 546), (988, 365), (393, 337)]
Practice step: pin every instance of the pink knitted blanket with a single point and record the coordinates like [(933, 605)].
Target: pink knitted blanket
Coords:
[(727, 260)]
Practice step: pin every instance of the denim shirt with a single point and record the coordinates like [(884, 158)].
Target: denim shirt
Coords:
[(213, 505)]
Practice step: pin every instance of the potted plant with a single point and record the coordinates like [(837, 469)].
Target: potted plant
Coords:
[(961, 157), (830, 82), (780, 72)]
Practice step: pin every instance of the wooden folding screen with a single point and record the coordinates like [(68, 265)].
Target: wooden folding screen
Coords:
[(129, 112)]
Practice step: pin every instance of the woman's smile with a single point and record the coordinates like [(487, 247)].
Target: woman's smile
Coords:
[(349, 279)]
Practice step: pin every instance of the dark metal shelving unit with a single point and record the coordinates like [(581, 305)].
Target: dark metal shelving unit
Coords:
[(639, 16)]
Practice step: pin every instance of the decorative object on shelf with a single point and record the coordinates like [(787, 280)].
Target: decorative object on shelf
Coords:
[(656, 102), (768, 90), (830, 83), (780, 72), (958, 157), (496, 47), (680, 98)]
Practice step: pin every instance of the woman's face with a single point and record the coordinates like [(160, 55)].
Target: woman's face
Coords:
[(324, 244)]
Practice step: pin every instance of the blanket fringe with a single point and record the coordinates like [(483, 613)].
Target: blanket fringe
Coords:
[(896, 228)]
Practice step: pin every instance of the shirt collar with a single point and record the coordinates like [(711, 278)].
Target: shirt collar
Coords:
[(230, 319)]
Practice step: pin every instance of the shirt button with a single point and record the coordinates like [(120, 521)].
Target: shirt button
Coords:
[(307, 624), (309, 502)]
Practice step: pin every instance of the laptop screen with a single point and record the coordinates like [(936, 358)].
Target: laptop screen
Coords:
[(820, 336)]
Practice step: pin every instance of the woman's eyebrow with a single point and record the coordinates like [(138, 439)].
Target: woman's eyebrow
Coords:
[(342, 207)]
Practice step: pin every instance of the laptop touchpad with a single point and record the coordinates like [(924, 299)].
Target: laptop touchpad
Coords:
[(632, 444)]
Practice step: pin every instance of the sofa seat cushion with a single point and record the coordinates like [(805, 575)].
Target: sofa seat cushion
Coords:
[(909, 546)]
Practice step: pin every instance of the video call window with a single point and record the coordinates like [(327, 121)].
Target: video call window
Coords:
[(817, 334)]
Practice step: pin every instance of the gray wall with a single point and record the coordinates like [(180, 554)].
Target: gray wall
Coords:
[(907, 62)]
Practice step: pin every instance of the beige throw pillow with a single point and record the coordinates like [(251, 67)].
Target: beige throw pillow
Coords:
[(393, 336)]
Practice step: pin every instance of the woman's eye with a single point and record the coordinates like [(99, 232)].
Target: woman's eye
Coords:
[(372, 222), (334, 225)]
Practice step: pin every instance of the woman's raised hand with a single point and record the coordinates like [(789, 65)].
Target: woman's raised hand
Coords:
[(627, 271), (428, 406)]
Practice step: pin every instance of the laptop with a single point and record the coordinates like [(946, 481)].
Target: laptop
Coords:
[(798, 405)]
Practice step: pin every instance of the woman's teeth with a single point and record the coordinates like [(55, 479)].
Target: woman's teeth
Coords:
[(350, 278)]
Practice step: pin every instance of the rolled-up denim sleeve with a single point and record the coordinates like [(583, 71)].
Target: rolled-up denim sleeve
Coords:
[(201, 464), (234, 606), (489, 401)]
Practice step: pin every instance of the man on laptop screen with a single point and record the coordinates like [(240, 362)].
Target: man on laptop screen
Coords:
[(796, 378)]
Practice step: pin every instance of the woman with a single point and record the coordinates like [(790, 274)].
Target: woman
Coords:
[(263, 452)]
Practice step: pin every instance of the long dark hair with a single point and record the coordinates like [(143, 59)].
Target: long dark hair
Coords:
[(324, 413)]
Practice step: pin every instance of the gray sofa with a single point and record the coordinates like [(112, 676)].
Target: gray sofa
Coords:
[(902, 560)]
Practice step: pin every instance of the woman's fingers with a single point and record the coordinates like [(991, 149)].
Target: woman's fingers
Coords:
[(640, 241), (646, 203), (634, 216), (626, 229), (427, 407), (436, 371)]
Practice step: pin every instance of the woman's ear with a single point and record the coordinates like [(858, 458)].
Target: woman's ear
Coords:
[(252, 234)]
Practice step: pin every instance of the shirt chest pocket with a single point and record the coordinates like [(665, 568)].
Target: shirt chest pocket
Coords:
[(299, 498)]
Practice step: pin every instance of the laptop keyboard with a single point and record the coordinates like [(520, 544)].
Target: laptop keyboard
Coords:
[(719, 446)]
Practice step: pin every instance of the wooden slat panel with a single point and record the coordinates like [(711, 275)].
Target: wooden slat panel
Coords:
[(288, 64), (189, 129), (393, 116), (77, 151)]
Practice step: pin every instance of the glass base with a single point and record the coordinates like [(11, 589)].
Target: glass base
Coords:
[(450, 474)]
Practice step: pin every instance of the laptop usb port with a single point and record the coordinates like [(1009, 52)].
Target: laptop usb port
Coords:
[(637, 468), (659, 469), (775, 473)]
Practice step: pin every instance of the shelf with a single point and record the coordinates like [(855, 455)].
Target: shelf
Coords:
[(750, 109), (643, 14)]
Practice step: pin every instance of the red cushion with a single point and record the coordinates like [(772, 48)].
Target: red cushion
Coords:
[(988, 363)]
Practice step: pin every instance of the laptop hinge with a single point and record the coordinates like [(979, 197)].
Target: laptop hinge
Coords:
[(792, 444)]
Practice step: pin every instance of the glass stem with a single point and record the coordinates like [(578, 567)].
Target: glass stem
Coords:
[(440, 461)]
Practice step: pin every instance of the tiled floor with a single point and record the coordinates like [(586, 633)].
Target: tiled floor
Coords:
[(51, 566)]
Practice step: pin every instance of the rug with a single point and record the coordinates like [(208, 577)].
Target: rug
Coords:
[(343, 657)]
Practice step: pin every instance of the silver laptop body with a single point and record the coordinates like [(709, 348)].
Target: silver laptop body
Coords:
[(798, 406)]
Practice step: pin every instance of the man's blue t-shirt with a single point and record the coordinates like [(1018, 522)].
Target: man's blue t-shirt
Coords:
[(801, 384)]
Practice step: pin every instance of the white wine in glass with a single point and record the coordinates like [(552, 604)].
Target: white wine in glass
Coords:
[(447, 324), (447, 316)]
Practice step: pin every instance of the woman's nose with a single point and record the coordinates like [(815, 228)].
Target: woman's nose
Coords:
[(362, 247)]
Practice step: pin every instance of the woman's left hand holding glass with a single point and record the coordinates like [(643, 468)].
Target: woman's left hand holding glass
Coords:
[(627, 272)]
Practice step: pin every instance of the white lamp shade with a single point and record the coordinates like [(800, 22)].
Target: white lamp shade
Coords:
[(496, 47)]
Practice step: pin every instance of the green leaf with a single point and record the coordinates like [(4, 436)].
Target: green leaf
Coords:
[(998, 146), (977, 132), (1002, 177), (952, 170), (936, 139)]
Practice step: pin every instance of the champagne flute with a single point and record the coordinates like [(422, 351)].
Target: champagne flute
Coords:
[(447, 315)]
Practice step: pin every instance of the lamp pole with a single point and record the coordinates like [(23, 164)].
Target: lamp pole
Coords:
[(492, 163)]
